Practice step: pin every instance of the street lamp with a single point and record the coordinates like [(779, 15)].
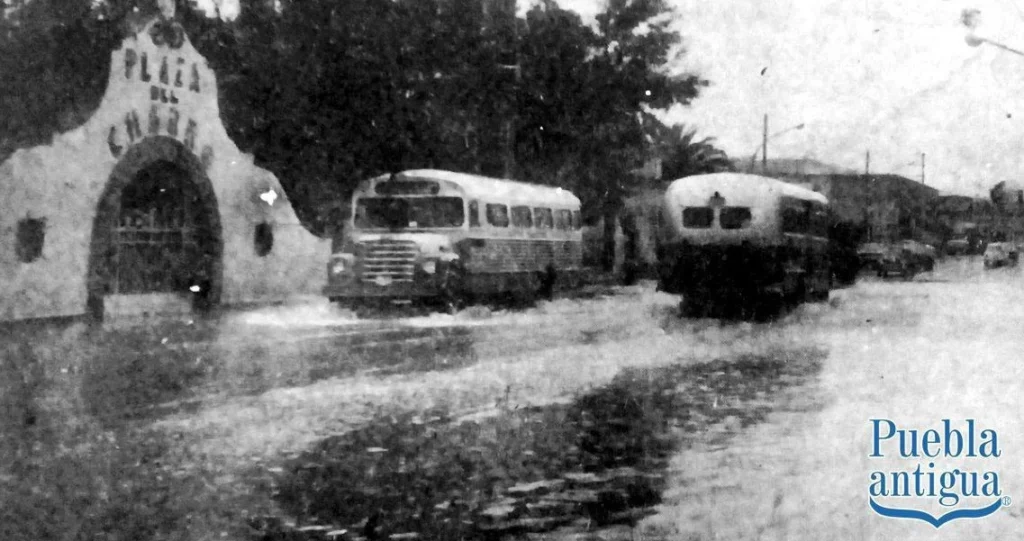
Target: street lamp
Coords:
[(763, 147), (969, 19)]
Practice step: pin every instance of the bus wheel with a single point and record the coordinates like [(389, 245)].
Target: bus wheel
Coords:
[(690, 308), (767, 306), (453, 295), (547, 283)]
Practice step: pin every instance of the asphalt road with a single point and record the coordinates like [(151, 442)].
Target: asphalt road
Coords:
[(775, 450)]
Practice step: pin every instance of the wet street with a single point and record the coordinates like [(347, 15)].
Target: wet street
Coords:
[(598, 416)]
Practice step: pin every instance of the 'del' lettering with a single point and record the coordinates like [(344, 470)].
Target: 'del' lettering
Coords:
[(131, 125), (130, 59), (164, 77), (145, 68), (193, 85), (154, 121), (190, 135), (172, 122)]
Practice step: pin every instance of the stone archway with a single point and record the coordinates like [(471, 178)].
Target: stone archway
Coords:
[(139, 172)]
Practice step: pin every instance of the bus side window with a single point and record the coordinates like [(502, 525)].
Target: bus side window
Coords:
[(543, 218), (497, 215), (563, 219), (577, 223), (474, 214), (521, 217)]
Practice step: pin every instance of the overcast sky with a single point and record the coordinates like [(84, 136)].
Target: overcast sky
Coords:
[(892, 76)]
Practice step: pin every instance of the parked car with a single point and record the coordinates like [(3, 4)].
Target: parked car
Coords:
[(960, 246), (1000, 254), (921, 255), (870, 256), (896, 261)]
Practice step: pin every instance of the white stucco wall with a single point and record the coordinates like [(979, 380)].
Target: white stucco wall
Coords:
[(62, 183)]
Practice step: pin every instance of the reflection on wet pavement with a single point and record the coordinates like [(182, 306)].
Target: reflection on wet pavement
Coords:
[(593, 465), (141, 373), (143, 369)]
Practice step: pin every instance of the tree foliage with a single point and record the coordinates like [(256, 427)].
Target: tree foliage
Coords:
[(327, 93), (683, 154)]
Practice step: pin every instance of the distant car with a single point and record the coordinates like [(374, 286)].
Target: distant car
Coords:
[(922, 256), (870, 256), (1000, 254), (958, 247), (896, 261)]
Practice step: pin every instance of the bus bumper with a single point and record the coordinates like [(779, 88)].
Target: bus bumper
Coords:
[(358, 289)]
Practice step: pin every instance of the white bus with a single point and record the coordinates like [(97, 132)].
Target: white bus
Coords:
[(742, 244), (431, 235)]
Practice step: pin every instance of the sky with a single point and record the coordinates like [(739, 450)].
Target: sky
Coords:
[(893, 77)]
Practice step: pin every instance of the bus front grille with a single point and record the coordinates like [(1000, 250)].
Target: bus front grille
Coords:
[(387, 260)]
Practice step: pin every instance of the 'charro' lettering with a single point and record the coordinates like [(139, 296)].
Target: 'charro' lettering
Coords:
[(131, 125), (172, 123), (154, 121)]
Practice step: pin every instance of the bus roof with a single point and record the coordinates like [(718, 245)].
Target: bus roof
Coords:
[(740, 187), (498, 190)]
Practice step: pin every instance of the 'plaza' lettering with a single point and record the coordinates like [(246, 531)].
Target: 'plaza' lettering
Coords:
[(133, 58)]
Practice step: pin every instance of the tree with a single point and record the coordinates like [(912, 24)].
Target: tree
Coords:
[(326, 93), (55, 61), (684, 155), (628, 76)]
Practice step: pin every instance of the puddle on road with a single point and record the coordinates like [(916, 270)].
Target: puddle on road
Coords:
[(595, 464)]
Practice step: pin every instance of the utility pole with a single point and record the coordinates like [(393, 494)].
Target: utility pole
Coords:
[(867, 163), (510, 122), (764, 147), (922, 168)]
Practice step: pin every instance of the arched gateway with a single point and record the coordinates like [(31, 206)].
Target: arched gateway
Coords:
[(149, 202), (157, 228)]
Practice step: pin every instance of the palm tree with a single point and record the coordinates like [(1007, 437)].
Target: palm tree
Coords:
[(683, 154)]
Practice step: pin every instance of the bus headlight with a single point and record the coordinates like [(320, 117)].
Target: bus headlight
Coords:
[(340, 265), (430, 266)]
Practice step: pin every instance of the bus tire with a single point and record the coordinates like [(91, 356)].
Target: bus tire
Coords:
[(453, 295), (629, 273), (547, 283), (766, 306), (690, 308)]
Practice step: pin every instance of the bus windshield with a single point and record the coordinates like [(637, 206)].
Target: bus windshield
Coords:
[(408, 212)]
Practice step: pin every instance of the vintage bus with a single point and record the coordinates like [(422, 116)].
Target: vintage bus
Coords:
[(742, 245), (450, 238)]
